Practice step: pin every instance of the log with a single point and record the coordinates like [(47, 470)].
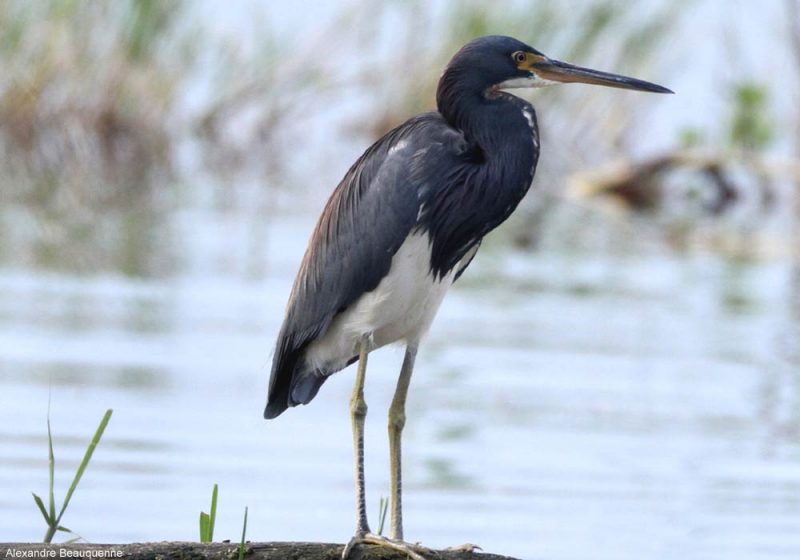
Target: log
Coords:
[(220, 551), (639, 186)]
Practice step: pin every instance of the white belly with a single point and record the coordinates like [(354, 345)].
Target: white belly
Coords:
[(401, 308)]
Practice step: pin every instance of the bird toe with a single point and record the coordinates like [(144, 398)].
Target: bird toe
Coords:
[(409, 549), (466, 547)]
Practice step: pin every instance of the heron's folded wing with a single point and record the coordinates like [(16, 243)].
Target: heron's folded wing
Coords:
[(364, 223)]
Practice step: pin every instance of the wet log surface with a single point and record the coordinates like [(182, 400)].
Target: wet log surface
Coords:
[(222, 551)]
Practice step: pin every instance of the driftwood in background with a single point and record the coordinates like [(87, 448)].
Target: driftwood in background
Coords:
[(641, 185), (220, 551)]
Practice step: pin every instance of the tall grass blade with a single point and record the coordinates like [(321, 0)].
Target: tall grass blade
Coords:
[(40, 503), (383, 506), (244, 532), (85, 462), (52, 523), (51, 466), (50, 517), (204, 538), (212, 516)]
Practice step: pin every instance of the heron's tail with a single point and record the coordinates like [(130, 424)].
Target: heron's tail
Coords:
[(303, 388), (291, 382), (276, 404), (280, 380)]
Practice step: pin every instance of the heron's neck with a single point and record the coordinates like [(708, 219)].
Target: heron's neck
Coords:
[(501, 124), (504, 127)]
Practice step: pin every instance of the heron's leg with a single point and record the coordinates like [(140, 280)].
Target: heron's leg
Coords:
[(358, 414), (397, 419), (358, 408)]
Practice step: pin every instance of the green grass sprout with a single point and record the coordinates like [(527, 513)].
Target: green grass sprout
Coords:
[(52, 519), (207, 519), (242, 549), (383, 506)]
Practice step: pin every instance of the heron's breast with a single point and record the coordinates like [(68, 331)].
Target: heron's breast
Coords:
[(400, 308), (405, 302)]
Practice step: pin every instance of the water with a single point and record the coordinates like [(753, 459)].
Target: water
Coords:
[(564, 405)]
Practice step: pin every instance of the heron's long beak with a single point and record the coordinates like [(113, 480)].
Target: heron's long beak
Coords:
[(562, 72)]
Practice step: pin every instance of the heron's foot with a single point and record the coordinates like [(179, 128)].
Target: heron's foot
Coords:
[(466, 547), (411, 550)]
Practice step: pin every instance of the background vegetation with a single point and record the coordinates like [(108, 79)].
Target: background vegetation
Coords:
[(113, 113)]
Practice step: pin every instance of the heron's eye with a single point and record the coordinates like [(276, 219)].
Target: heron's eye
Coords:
[(518, 56)]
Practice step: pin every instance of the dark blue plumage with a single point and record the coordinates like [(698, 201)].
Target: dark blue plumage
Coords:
[(455, 175), (365, 221)]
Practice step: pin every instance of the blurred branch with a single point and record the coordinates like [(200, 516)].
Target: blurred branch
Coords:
[(793, 7), (793, 10), (640, 183)]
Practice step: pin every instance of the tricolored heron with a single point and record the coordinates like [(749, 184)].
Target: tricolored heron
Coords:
[(403, 225)]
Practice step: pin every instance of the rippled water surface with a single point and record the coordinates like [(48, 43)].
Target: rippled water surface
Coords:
[(564, 405)]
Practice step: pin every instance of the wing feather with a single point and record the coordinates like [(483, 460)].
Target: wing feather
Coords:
[(365, 221)]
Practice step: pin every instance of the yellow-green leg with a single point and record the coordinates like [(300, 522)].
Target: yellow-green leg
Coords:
[(358, 413), (397, 419)]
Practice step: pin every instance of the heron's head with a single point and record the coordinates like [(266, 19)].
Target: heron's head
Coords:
[(504, 62)]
